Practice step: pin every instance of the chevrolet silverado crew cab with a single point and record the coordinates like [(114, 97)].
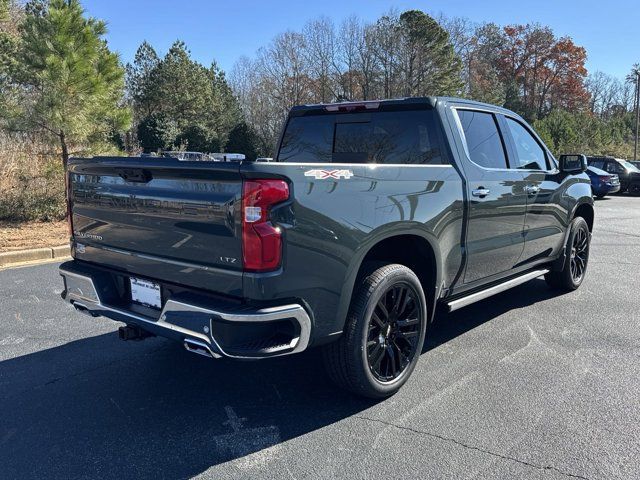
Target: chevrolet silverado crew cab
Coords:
[(369, 215)]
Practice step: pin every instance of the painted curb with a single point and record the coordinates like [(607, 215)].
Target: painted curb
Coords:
[(34, 254)]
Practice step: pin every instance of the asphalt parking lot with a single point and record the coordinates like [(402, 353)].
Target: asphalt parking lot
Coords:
[(528, 384)]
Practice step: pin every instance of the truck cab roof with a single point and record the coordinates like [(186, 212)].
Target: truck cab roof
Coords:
[(391, 104)]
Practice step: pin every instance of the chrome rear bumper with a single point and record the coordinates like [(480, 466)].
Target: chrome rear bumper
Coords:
[(194, 325)]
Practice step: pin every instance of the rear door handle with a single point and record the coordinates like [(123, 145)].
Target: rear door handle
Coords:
[(531, 189), (480, 192)]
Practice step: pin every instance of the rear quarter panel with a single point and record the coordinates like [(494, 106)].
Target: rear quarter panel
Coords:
[(331, 224)]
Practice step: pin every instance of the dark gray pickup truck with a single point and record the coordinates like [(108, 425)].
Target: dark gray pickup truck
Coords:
[(369, 215)]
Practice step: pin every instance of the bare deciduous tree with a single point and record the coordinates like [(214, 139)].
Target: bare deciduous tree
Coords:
[(321, 57)]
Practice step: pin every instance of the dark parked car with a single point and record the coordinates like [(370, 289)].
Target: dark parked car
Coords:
[(369, 215), (603, 183), (628, 173), (635, 163)]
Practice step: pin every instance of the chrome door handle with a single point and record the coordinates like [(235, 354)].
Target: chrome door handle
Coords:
[(531, 189), (480, 192)]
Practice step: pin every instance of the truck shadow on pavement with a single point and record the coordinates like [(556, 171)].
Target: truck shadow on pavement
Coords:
[(447, 326), (101, 408)]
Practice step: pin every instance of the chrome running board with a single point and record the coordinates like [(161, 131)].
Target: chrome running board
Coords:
[(482, 294)]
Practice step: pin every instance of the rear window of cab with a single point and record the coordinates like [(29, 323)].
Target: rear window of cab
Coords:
[(393, 137)]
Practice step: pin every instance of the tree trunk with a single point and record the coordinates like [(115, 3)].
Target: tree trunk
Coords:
[(65, 150)]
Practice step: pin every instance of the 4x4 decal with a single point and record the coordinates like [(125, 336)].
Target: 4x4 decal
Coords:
[(324, 174)]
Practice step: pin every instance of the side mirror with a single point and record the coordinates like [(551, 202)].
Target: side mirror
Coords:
[(573, 163)]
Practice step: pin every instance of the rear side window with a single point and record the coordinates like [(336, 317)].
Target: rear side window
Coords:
[(614, 167), (397, 137), (484, 143), (597, 163)]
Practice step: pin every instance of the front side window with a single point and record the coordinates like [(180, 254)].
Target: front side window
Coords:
[(531, 156), (484, 143), (395, 137)]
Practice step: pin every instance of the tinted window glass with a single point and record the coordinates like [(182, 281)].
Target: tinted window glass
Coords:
[(307, 140), (402, 137), (483, 139), (353, 142), (531, 155), (614, 167), (597, 163)]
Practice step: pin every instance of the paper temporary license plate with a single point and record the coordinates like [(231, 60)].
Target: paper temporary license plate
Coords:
[(145, 292)]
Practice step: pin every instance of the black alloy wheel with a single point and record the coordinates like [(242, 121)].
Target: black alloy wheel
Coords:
[(383, 334), (574, 266), (579, 254), (394, 329)]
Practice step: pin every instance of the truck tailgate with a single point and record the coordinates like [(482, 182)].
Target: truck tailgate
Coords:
[(160, 218)]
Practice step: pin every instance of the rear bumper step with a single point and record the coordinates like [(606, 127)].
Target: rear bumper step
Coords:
[(202, 328)]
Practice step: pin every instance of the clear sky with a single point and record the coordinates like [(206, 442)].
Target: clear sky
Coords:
[(227, 29)]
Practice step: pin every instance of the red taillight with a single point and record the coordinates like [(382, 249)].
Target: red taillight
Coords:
[(261, 241), (67, 185)]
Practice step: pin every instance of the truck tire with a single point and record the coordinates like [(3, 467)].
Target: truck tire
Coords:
[(576, 260), (383, 335), (634, 189)]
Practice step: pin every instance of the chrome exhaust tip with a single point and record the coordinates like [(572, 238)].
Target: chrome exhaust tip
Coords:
[(82, 308), (200, 348)]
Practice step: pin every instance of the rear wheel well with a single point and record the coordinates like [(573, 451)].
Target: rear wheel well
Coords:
[(413, 252), (585, 211)]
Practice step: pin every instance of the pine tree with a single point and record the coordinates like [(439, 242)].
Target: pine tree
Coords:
[(242, 139), (10, 17), (139, 77), (179, 103), (71, 84), (429, 63)]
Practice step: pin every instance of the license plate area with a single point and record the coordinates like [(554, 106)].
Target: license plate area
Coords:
[(145, 293)]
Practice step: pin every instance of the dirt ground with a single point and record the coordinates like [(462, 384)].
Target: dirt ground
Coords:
[(20, 236)]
